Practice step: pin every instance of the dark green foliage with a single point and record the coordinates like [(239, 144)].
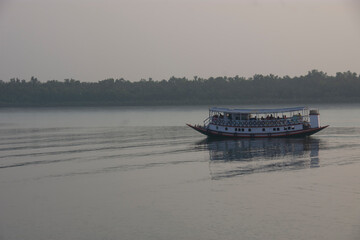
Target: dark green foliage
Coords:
[(316, 86)]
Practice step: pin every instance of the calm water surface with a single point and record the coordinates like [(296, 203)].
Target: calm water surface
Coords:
[(140, 173)]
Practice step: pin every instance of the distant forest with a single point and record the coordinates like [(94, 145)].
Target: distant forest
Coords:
[(315, 87)]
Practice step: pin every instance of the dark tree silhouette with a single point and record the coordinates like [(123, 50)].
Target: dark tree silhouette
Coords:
[(316, 86)]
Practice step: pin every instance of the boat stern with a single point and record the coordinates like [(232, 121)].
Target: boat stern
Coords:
[(314, 118)]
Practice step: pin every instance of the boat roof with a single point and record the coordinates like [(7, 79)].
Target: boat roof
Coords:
[(257, 111)]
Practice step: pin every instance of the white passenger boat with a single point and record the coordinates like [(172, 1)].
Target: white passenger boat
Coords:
[(260, 123)]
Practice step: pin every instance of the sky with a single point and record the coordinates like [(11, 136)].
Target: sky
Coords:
[(92, 40)]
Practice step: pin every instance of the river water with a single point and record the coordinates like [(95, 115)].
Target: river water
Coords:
[(140, 173)]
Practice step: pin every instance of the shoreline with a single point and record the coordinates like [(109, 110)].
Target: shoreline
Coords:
[(155, 105)]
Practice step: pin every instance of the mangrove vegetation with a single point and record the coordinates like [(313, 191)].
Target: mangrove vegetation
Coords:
[(314, 87)]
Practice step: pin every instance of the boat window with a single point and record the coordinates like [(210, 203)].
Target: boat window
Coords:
[(278, 129), (217, 127), (249, 129), (242, 129), (274, 129), (235, 129), (292, 127), (226, 128), (263, 129)]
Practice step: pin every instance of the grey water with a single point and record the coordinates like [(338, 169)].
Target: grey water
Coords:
[(140, 173)]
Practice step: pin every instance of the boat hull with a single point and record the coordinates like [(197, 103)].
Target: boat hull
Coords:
[(299, 133)]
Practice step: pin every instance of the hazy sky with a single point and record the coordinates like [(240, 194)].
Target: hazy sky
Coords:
[(91, 40)]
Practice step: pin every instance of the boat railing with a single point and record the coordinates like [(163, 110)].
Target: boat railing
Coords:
[(256, 123), (207, 121)]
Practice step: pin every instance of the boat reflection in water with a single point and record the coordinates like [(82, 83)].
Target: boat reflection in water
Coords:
[(229, 158)]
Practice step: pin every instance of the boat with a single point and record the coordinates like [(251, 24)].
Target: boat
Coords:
[(260, 123)]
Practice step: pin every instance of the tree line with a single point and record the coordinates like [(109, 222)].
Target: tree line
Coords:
[(316, 86)]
